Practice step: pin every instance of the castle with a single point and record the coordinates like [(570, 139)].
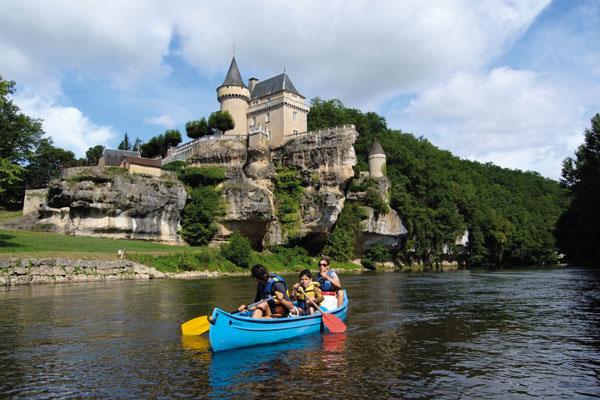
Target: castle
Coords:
[(272, 107)]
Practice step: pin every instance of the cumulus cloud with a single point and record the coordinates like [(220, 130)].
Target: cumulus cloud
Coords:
[(68, 127), (507, 116)]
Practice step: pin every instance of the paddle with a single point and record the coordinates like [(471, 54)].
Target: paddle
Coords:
[(198, 326), (333, 323)]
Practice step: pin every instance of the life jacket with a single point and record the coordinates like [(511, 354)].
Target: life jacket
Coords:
[(310, 292), (275, 305), (326, 285)]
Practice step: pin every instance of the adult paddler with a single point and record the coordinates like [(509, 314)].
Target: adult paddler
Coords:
[(269, 285)]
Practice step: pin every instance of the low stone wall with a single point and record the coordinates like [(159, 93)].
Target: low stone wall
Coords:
[(38, 271)]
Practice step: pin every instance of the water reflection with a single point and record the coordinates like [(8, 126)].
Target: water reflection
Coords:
[(466, 334)]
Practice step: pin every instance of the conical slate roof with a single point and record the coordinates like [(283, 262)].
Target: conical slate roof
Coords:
[(376, 148), (233, 78), (273, 85)]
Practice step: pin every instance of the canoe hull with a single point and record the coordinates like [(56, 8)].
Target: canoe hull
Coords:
[(232, 331)]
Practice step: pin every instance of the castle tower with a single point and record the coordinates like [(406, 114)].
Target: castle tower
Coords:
[(234, 97), (376, 160)]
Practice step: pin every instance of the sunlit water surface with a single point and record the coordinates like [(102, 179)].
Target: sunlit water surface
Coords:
[(467, 334)]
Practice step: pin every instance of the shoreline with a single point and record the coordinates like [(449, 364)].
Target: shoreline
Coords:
[(34, 271)]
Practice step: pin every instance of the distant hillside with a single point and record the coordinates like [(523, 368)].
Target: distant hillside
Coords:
[(510, 215)]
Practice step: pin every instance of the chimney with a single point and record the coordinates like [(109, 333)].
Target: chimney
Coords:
[(251, 83)]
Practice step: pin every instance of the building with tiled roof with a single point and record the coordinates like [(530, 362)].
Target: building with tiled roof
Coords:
[(273, 107)]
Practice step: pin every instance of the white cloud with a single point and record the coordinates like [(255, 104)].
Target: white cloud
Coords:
[(507, 116), (162, 120), (68, 127)]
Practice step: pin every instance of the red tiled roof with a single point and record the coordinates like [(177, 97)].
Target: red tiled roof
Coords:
[(146, 162)]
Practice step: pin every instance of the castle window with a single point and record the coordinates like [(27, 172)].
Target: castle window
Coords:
[(295, 132), (294, 115), (269, 116)]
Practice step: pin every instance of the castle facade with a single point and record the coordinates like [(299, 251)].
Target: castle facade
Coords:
[(271, 108)]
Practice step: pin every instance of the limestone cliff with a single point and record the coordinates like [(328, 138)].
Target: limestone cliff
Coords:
[(112, 203), (108, 202)]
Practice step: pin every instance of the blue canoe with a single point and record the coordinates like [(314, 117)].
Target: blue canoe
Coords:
[(231, 331)]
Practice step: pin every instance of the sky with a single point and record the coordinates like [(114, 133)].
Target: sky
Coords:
[(512, 82)]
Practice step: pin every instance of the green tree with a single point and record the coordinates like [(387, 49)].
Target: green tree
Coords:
[(238, 250), (221, 120), (93, 154), (125, 144), (46, 164), (198, 215), (158, 145), (578, 230), (198, 129), (19, 135), (341, 243)]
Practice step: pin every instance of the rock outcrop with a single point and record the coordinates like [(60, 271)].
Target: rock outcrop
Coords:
[(109, 202)]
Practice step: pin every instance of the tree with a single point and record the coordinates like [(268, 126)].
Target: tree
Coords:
[(19, 135), (46, 164), (221, 120), (578, 229), (172, 138), (198, 129), (238, 250), (158, 145), (198, 215), (93, 154), (125, 144), (137, 145)]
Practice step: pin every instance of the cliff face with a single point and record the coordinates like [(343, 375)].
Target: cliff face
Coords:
[(111, 203)]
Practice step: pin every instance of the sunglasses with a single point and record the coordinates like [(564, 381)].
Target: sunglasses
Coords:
[(323, 265)]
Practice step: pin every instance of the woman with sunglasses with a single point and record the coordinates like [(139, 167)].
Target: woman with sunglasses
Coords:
[(329, 280)]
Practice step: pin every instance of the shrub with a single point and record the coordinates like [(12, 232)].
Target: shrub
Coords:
[(198, 215), (196, 176), (238, 250)]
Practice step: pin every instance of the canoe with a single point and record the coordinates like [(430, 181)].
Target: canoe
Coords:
[(231, 331)]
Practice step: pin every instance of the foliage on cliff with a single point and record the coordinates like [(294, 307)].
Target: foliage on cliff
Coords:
[(288, 191), (579, 227), (510, 214), (204, 204)]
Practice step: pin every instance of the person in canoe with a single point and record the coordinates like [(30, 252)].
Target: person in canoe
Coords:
[(329, 280), (312, 291), (269, 285)]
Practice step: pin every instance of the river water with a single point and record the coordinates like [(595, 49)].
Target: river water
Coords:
[(457, 335)]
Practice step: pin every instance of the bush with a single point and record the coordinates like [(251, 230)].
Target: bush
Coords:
[(238, 250), (199, 214), (204, 176)]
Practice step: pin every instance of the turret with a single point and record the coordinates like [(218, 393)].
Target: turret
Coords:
[(376, 160), (234, 96)]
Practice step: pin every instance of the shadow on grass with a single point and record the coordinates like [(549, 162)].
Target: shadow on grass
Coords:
[(4, 241)]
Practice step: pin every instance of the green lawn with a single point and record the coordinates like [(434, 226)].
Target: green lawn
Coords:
[(44, 245)]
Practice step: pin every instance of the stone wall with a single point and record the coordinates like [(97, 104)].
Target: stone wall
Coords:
[(37, 271), (34, 199)]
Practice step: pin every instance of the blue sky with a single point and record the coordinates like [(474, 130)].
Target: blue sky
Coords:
[(513, 82)]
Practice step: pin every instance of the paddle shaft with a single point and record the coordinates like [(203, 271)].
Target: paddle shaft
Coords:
[(253, 304)]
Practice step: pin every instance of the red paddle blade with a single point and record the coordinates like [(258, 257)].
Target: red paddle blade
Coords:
[(333, 323)]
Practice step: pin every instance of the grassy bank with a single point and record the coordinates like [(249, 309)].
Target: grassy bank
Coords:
[(165, 258)]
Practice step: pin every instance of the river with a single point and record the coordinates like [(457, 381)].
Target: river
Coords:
[(518, 334)]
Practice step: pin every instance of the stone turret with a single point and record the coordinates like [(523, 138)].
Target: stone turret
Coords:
[(234, 96), (376, 160)]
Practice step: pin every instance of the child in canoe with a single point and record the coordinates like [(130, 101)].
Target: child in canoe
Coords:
[(311, 289)]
